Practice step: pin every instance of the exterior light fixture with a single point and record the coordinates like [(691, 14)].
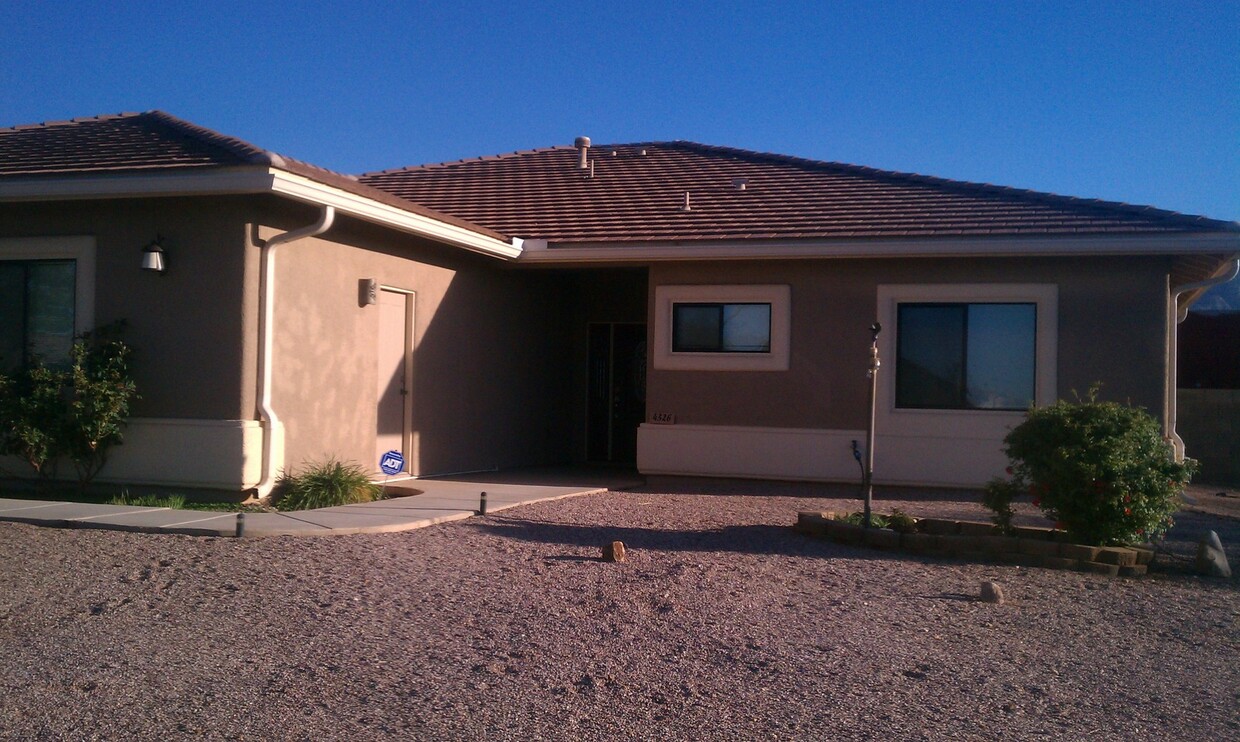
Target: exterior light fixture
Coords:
[(153, 256)]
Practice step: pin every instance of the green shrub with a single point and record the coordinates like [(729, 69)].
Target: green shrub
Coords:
[(100, 390), (32, 417), (901, 522), (998, 496), (1101, 470), (858, 519), (50, 412), (324, 484)]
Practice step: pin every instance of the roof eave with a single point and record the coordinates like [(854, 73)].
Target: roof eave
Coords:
[(251, 180), (540, 251)]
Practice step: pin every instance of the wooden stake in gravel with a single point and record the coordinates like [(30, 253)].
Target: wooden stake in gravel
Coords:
[(614, 552)]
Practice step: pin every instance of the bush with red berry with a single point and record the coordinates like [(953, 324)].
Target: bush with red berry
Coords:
[(1101, 470)]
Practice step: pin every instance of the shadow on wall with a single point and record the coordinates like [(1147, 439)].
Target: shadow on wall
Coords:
[(489, 368)]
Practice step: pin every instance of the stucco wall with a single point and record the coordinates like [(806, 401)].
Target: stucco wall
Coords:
[(490, 357), (1109, 327), (491, 364), (186, 325), (1111, 320), (1209, 422)]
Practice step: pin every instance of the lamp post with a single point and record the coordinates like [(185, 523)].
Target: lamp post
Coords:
[(867, 476)]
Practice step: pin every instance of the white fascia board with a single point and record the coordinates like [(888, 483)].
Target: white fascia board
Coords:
[(183, 183), (304, 189), (252, 180), (538, 251)]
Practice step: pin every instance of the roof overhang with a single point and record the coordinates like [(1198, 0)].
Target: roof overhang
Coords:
[(249, 180), (540, 252)]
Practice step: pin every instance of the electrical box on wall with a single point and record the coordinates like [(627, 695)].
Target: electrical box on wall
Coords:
[(367, 291)]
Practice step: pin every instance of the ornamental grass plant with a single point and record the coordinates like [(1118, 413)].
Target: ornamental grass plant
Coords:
[(324, 484), (1101, 470)]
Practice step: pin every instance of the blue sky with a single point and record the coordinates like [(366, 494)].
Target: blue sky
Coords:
[(1130, 101)]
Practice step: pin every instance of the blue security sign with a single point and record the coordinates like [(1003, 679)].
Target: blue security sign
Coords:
[(392, 462)]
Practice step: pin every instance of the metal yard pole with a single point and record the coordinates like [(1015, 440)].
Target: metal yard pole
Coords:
[(867, 478)]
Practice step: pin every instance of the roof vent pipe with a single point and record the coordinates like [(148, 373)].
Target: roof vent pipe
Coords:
[(686, 207), (740, 184), (583, 152)]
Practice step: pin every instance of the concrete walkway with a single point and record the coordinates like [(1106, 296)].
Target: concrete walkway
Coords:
[(439, 501)]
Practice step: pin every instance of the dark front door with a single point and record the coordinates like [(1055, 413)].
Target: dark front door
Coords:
[(617, 402)]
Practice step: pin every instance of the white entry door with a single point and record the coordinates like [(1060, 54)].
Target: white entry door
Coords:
[(394, 376)]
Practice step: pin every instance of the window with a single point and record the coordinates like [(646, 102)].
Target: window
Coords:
[(721, 328), (37, 317), (47, 296), (966, 356)]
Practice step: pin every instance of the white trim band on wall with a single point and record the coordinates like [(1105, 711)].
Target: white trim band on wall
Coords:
[(807, 454), (748, 452)]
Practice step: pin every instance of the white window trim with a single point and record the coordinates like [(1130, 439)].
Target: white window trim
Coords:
[(778, 296), (80, 249), (965, 422)]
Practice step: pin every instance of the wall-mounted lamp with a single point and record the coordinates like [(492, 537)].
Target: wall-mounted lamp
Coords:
[(367, 291), (153, 256)]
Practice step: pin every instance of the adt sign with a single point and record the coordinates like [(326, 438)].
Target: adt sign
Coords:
[(392, 462)]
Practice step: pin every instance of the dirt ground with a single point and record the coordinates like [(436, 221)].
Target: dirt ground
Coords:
[(723, 624)]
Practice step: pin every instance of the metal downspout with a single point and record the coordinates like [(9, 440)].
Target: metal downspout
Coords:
[(1173, 352), (266, 332)]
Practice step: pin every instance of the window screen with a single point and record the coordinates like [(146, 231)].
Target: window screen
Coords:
[(36, 311)]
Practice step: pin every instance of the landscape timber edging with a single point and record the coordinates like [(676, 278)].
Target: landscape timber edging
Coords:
[(1029, 547)]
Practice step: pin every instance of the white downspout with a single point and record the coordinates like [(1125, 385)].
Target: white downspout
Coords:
[(1174, 340), (266, 333)]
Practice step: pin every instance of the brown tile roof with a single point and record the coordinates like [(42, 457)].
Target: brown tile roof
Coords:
[(155, 141), (638, 192), (120, 142)]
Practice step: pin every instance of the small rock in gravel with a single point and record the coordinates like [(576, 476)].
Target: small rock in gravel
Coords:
[(1211, 560), (992, 593), (614, 552)]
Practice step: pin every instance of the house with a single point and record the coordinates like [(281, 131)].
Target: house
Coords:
[(684, 308)]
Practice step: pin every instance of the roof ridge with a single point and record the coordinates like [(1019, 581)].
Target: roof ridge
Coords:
[(75, 120), (468, 160), (956, 184), (245, 150)]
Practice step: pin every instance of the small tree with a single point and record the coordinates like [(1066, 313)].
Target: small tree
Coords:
[(32, 411), (1101, 470), (100, 390)]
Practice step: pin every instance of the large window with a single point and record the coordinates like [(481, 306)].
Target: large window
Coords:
[(966, 356), (37, 310), (721, 328)]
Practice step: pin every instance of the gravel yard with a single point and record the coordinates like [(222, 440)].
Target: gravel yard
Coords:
[(723, 624)]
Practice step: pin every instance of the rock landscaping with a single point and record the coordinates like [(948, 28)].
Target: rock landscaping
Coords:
[(982, 542)]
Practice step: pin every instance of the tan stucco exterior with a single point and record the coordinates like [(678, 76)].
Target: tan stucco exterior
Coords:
[(491, 346), (194, 360), (499, 351), (1112, 311), (490, 351), (1103, 323)]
